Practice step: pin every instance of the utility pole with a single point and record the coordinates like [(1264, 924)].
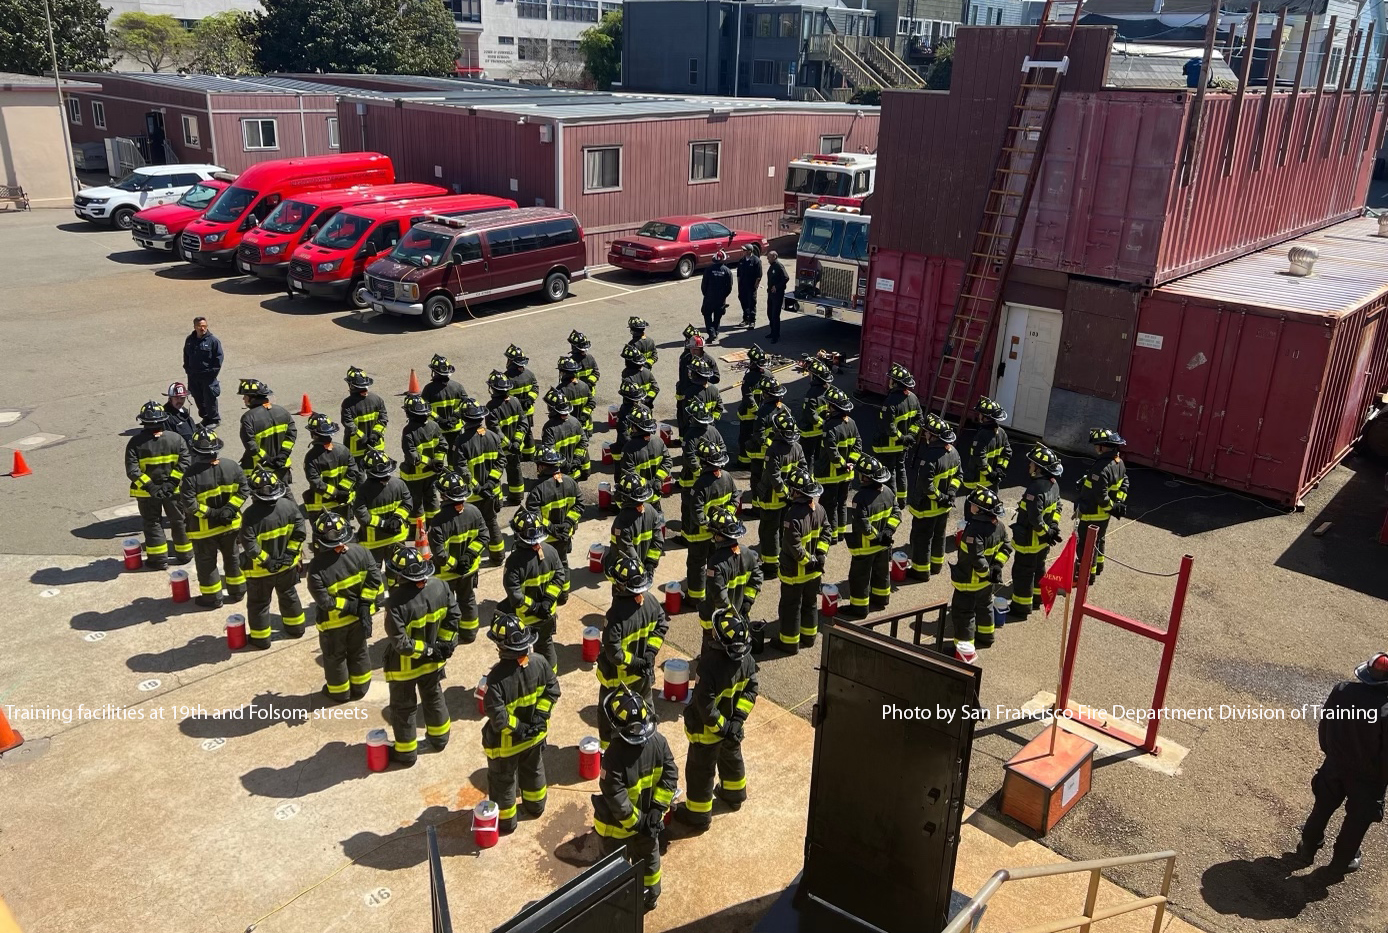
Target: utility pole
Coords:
[(62, 104)]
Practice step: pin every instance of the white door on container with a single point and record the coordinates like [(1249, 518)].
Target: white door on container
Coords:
[(1030, 342), (1010, 348)]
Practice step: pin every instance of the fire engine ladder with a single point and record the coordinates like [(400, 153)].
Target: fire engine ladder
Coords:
[(1014, 176)]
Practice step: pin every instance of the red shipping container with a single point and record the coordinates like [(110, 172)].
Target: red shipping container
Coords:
[(1253, 379), (910, 301)]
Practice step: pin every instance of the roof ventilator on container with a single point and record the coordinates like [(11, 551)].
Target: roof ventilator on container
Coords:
[(1303, 260)]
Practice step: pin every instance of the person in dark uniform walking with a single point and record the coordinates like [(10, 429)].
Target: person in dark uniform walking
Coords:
[(272, 537), (804, 549), (535, 581), (637, 788), (458, 536), (329, 469), (478, 455), (422, 632), (177, 408), (748, 281), (1035, 529), (212, 494), (521, 692), (268, 431), (976, 571), (1103, 494), (875, 518), (776, 281), (155, 462), (202, 363), (990, 451), (445, 396), (633, 632), (425, 457), (345, 585), (1353, 733), (935, 469), (716, 286)]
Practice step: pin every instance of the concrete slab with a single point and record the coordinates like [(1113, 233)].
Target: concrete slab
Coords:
[(1169, 755), (35, 440), (9, 417), (117, 511)]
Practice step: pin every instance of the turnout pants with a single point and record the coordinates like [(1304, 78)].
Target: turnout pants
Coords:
[(204, 389), (489, 506), (152, 513), (928, 543), (835, 502), (515, 485), (205, 554), (971, 616), (1098, 566), (769, 537), (544, 642), (259, 591), (723, 758), (1027, 569), (869, 580), (424, 497), (346, 664), (643, 688), (746, 427), (1363, 807), (525, 768), (406, 697), (895, 462), (799, 616), (465, 592), (695, 566), (641, 850)]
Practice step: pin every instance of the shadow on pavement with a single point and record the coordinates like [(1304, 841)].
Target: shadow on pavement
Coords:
[(141, 257), (1264, 888), (333, 764), (404, 848), (1180, 506), (110, 528), (190, 271), (143, 609), (266, 710), (744, 916), (365, 324), (82, 226), (461, 700), (204, 649), (1348, 554), (239, 284), (103, 570)]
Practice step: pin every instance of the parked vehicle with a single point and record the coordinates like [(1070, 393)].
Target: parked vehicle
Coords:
[(679, 245), (159, 228), (844, 178), (265, 250), (333, 264), (89, 157), (212, 239), (147, 186), (831, 264), (440, 265)]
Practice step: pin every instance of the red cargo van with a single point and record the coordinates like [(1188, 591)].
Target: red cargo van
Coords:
[(450, 262), (265, 250), (212, 239), (159, 228), (333, 263)]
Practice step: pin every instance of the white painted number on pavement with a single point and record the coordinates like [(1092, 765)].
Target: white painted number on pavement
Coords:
[(49, 594), (148, 685), (94, 636), (286, 811), (377, 897), (211, 745)]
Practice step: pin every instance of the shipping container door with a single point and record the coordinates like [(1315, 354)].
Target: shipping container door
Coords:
[(1165, 401), (1025, 366)]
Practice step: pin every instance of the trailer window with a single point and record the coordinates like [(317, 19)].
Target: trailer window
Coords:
[(821, 237)]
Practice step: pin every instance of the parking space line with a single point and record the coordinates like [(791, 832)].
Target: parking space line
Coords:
[(559, 306)]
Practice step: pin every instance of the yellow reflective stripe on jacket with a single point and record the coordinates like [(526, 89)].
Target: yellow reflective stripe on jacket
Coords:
[(712, 731), (872, 520), (507, 748), (409, 668), (339, 617), (659, 796)]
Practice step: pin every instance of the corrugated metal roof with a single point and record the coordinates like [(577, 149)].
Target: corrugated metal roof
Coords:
[(1351, 270), (617, 107), (219, 84), (1129, 69), (10, 80)]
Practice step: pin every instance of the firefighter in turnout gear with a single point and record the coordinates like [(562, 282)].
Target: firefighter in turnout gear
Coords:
[(211, 496), (990, 452), (558, 501), (563, 433), (506, 415), (699, 428), (714, 720), (444, 396), (330, 471), (813, 407), (714, 490), (773, 399), (272, 537), (875, 517), (478, 457), (734, 578), (634, 630), (638, 782), (748, 280), (525, 389), (637, 370), (155, 461), (898, 428), (520, 697), (783, 454), (833, 467), (381, 507), (580, 348), (177, 409), (345, 585), (422, 631), (934, 486), (1035, 529), (426, 456), (580, 396), (750, 404), (638, 327), (267, 431), (1103, 494), (636, 529), (976, 571), (702, 394), (364, 417), (804, 549), (457, 537), (694, 350), (536, 582), (633, 396), (645, 453)]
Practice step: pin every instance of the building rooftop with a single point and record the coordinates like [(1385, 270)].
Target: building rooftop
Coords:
[(11, 81), (1146, 8), (1135, 65), (254, 84)]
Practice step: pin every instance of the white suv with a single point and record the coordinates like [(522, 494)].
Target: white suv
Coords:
[(147, 186)]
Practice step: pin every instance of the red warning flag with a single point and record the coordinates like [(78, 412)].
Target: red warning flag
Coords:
[(1059, 576)]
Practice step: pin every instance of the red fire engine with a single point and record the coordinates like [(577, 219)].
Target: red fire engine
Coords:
[(831, 264), (840, 178)]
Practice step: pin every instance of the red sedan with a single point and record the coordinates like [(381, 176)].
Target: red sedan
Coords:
[(680, 245)]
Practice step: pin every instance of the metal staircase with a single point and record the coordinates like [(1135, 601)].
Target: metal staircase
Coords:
[(855, 68), (995, 244), (886, 63)]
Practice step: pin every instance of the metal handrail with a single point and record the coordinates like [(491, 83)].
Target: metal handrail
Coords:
[(972, 911)]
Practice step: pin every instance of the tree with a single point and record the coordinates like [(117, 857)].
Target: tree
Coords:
[(345, 35), (424, 39), (601, 49), (155, 40), (79, 32), (554, 68), (937, 78), (868, 97), (224, 43)]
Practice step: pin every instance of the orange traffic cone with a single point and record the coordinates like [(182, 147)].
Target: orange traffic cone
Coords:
[(307, 407), (8, 737), (414, 384), (20, 469), (421, 541)]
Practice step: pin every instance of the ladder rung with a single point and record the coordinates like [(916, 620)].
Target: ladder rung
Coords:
[(1039, 87)]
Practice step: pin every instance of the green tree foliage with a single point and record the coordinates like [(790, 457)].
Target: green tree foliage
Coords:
[(224, 44), (601, 48), (79, 30), (155, 40), (937, 79), (361, 36), (868, 97)]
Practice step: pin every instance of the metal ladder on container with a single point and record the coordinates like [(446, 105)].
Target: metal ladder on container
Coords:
[(1014, 176)]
